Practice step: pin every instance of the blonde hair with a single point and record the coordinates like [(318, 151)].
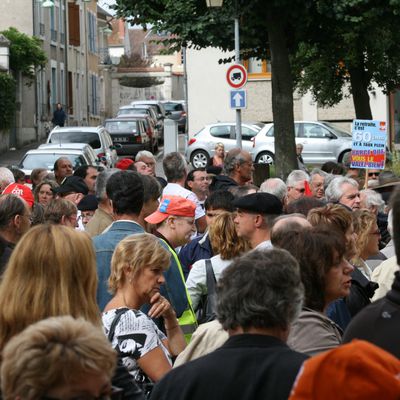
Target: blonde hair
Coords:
[(51, 272), (363, 222), (51, 353), (219, 145), (136, 251), (58, 208), (224, 239)]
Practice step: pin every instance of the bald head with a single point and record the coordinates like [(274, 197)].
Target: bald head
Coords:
[(287, 223)]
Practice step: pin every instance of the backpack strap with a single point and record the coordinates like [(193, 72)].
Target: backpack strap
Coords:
[(118, 314), (211, 281)]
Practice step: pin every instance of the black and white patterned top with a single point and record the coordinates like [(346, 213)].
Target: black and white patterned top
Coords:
[(135, 335)]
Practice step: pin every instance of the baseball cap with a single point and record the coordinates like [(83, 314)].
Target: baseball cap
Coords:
[(172, 205), (260, 202), (74, 184), (88, 203), (22, 191), (357, 370)]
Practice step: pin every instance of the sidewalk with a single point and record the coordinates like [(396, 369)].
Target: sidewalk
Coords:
[(13, 157)]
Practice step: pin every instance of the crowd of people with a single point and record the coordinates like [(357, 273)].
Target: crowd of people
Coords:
[(121, 284)]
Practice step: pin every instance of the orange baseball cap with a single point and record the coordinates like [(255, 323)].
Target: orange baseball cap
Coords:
[(358, 370), (22, 191), (172, 205)]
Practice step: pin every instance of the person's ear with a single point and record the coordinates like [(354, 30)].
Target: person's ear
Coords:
[(258, 221), (16, 221), (171, 221), (63, 220)]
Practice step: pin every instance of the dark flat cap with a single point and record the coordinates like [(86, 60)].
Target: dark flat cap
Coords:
[(263, 203), (74, 184), (88, 203)]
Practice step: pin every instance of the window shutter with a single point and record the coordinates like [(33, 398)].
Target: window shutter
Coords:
[(73, 25)]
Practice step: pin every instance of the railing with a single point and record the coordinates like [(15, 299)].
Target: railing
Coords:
[(62, 38), (53, 35), (42, 30), (104, 55)]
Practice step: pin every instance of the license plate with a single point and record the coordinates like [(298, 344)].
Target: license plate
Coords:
[(121, 139)]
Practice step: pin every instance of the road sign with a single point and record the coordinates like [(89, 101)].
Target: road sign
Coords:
[(368, 149), (238, 99), (236, 76)]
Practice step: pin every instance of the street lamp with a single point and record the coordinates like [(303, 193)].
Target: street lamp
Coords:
[(218, 3), (48, 4)]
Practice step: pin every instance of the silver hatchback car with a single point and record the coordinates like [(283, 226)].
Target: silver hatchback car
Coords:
[(200, 147), (321, 142)]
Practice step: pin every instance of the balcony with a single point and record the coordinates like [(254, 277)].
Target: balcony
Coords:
[(104, 56), (62, 38)]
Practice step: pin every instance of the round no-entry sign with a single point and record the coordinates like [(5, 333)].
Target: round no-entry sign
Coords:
[(236, 76)]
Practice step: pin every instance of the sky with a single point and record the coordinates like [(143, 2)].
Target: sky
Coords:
[(105, 4)]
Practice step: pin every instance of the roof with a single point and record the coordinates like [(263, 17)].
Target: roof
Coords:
[(63, 146), (138, 37)]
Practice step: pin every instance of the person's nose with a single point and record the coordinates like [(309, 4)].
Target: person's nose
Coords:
[(161, 279)]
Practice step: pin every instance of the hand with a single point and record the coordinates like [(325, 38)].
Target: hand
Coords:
[(161, 307)]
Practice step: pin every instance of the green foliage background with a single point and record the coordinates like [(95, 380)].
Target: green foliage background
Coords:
[(7, 100)]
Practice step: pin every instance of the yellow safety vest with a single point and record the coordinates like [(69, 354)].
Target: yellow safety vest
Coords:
[(187, 321)]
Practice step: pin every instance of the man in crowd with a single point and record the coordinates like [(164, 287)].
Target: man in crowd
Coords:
[(15, 220), (125, 191), (259, 296), (317, 181), (197, 181), (148, 158), (255, 215), (275, 186), (61, 212), (175, 170), (102, 217), (295, 184), (6, 177), (89, 174), (62, 169), (345, 191), (238, 170)]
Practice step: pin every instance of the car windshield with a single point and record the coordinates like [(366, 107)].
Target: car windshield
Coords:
[(91, 138), (47, 160), (258, 125), (121, 126), (337, 131)]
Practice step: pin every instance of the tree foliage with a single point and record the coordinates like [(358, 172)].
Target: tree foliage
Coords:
[(7, 100), (26, 53)]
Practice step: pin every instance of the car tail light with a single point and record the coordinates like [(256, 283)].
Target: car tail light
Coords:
[(138, 139), (191, 141), (183, 114), (101, 155), (253, 140), (149, 133), (28, 179)]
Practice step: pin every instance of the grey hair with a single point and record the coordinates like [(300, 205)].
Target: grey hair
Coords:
[(233, 158), (261, 289), (274, 186), (10, 206), (101, 183), (317, 171), (334, 191), (295, 177), (174, 166), (6, 177), (373, 198), (144, 153)]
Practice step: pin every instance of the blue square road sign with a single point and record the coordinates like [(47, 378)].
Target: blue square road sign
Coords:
[(238, 99)]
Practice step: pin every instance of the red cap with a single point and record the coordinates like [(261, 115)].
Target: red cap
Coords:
[(21, 191), (172, 205), (357, 370), (124, 163)]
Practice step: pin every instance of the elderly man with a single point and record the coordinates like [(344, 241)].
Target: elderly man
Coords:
[(295, 184), (238, 170), (62, 169), (15, 220), (6, 177), (275, 186), (317, 181), (345, 191), (259, 296), (255, 215), (148, 158), (175, 170)]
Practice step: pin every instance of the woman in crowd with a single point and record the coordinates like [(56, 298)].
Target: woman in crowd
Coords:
[(51, 272), (58, 358), (219, 156), (226, 245), (137, 268), (367, 243), (45, 192), (325, 274)]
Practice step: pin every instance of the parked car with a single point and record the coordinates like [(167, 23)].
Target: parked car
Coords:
[(156, 103), (144, 109), (46, 155), (97, 137), (130, 133), (321, 142), (176, 110), (200, 147)]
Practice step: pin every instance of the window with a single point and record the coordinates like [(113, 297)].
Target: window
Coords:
[(92, 26), (247, 133), (314, 131), (91, 138), (53, 87), (221, 131), (53, 31), (270, 132), (74, 25), (257, 68)]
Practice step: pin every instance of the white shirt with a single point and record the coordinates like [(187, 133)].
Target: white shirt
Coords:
[(265, 245)]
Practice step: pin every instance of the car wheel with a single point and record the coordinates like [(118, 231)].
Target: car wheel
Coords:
[(199, 159), (344, 157), (265, 158)]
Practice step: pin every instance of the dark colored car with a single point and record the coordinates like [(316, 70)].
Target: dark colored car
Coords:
[(176, 110)]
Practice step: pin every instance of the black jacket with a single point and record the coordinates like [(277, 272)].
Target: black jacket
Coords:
[(222, 182), (246, 367)]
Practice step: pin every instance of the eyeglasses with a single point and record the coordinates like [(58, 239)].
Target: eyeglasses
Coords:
[(373, 174), (302, 190)]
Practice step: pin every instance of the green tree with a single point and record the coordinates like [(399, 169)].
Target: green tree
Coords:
[(356, 43), (266, 26), (26, 54)]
